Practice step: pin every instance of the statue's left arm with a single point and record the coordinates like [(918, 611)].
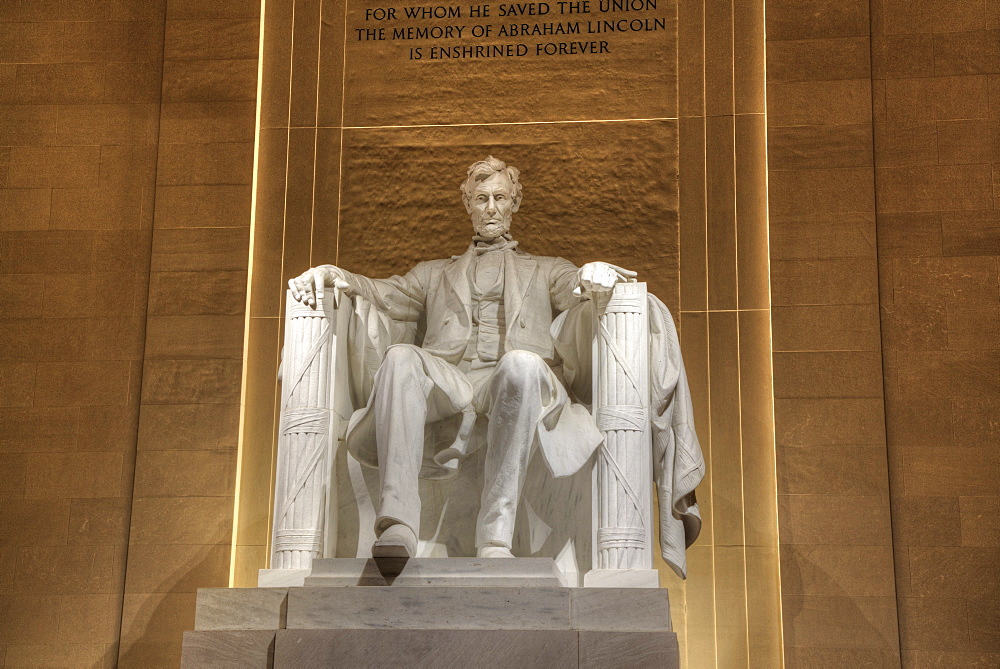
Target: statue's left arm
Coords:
[(564, 281), (568, 283), (573, 330)]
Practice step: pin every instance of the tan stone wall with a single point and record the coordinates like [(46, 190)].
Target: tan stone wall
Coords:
[(79, 119), (119, 376), (838, 595), (126, 156), (185, 469), (936, 79), (882, 141)]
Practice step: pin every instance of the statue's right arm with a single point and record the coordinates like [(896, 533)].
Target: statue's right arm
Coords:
[(399, 297)]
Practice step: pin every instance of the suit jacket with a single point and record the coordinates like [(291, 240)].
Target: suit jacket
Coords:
[(438, 295)]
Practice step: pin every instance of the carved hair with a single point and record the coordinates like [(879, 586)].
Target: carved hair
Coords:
[(483, 170)]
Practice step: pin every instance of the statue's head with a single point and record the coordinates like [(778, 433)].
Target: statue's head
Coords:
[(491, 194)]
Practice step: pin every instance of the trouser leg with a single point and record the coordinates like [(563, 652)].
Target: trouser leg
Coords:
[(401, 389), (518, 388)]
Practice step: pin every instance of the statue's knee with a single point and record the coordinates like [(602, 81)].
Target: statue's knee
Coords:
[(520, 368), (401, 363), (401, 355)]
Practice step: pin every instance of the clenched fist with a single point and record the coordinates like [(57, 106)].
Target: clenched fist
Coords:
[(599, 277)]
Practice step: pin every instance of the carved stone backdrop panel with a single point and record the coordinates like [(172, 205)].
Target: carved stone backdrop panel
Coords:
[(592, 191)]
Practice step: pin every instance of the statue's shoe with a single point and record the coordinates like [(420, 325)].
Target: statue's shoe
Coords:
[(494, 552), (397, 541)]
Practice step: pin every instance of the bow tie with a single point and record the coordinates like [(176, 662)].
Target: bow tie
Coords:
[(483, 245)]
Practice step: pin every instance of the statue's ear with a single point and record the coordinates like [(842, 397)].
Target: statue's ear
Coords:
[(517, 202), (467, 202)]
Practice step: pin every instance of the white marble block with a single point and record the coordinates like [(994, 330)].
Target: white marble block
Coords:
[(408, 619), (240, 609), (622, 610), (281, 578), (422, 572), (622, 578), (628, 650), (242, 649), (428, 608), (499, 649)]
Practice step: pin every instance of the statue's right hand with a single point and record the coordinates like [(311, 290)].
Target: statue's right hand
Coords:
[(311, 284)]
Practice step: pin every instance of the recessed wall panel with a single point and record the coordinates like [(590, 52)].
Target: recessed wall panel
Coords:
[(371, 183), (591, 191)]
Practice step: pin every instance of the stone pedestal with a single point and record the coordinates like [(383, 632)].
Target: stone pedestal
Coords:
[(519, 572), (493, 617)]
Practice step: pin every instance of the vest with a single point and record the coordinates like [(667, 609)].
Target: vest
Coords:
[(489, 327)]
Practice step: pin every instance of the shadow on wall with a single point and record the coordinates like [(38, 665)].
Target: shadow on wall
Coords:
[(838, 619), (154, 622)]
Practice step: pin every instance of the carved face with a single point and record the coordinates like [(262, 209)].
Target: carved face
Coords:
[(491, 206)]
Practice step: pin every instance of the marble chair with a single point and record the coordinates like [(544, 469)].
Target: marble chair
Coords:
[(597, 524)]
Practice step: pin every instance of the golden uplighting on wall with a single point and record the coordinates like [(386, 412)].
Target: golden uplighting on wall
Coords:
[(727, 613)]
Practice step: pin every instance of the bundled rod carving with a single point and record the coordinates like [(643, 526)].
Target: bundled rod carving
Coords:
[(306, 436), (622, 497)]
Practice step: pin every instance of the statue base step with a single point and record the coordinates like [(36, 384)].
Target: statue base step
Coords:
[(432, 625), (416, 572), (281, 578), (487, 649), (621, 578)]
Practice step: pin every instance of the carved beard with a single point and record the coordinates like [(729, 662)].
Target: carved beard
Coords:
[(484, 228)]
